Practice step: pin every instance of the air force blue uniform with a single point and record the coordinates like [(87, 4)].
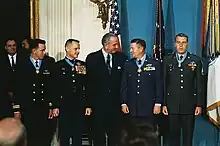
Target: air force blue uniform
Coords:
[(142, 86)]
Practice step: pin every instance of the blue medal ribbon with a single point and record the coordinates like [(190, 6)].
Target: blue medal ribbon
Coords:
[(33, 62), (180, 61), (69, 62)]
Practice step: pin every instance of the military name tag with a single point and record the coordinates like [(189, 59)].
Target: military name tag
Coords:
[(46, 72), (149, 68)]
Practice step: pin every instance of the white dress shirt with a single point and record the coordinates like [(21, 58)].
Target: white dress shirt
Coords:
[(14, 57)]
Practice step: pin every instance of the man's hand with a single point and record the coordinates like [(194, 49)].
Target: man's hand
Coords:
[(88, 111), (50, 115), (17, 115), (165, 111), (198, 111), (157, 109), (56, 112), (125, 109)]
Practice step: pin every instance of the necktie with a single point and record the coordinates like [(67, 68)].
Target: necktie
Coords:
[(108, 63), (36, 62), (139, 62), (12, 63), (72, 61), (181, 57)]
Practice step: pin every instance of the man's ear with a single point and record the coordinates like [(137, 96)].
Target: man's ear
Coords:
[(66, 49), (33, 50)]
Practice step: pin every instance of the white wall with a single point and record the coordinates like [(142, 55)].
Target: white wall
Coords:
[(64, 19)]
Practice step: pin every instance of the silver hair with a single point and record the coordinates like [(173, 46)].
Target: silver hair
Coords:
[(106, 38)]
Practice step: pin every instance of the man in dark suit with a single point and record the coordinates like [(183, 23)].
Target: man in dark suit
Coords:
[(142, 85), (104, 70), (10, 59), (71, 101), (182, 96), (34, 93)]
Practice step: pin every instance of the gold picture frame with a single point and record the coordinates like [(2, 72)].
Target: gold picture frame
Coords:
[(34, 18)]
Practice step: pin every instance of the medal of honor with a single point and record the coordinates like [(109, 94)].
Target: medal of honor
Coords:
[(179, 65), (139, 70), (37, 71)]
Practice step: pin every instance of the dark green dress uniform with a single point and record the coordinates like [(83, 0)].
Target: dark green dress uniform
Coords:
[(71, 100), (33, 98), (182, 86)]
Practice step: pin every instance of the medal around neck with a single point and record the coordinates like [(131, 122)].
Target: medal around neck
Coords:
[(37, 71), (139, 70)]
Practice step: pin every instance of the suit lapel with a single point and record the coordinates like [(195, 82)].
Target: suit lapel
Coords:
[(114, 62), (187, 60), (31, 66), (174, 61), (8, 61), (102, 62), (145, 62)]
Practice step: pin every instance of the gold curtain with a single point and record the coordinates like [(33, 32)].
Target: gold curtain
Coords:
[(34, 18)]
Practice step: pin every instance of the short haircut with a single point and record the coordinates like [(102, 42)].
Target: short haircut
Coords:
[(106, 38), (21, 137), (182, 35), (139, 133), (140, 42), (9, 39), (70, 41), (34, 43), (27, 39)]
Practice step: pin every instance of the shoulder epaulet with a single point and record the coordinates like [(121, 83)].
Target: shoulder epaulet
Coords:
[(194, 55)]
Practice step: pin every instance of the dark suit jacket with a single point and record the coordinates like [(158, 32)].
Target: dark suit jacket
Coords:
[(9, 71), (5, 100), (104, 89), (182, 84), (71, 87), (141, 91)]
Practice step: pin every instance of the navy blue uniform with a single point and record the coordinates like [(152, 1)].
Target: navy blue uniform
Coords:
[(142, 89), (5, 99), (33, 98)]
